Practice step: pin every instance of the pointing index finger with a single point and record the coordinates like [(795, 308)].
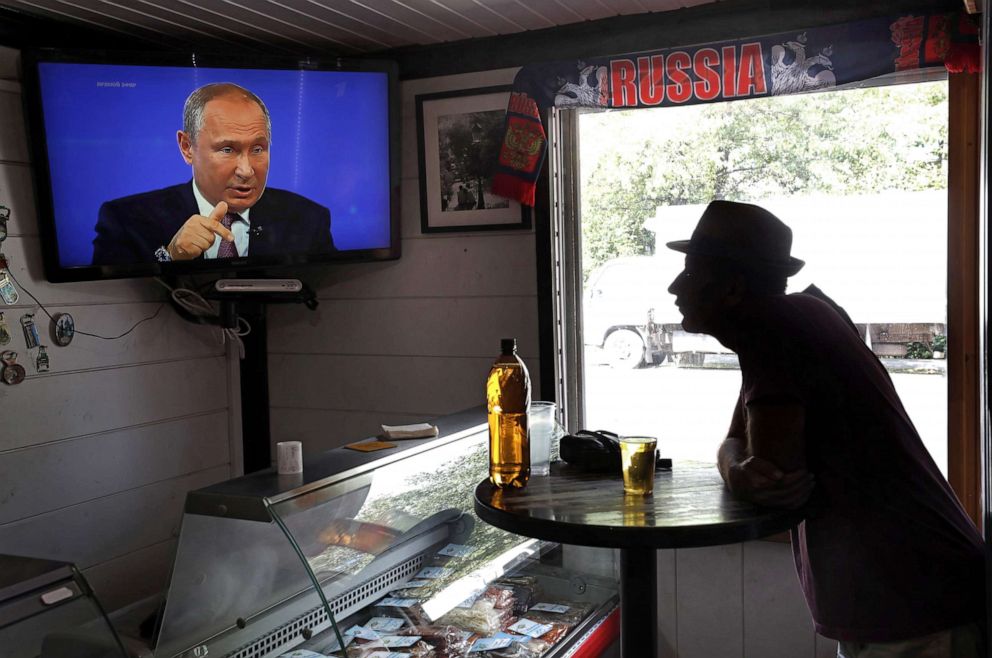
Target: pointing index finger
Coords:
[(219, 211)]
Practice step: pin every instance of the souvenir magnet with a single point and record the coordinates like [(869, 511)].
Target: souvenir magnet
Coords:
[(13, 372), (63, 329), (41, 361), (4, 331), (31, 337), (4, 216), (7, 290)]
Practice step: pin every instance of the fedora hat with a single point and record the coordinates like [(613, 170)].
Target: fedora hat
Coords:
[(744, 233)]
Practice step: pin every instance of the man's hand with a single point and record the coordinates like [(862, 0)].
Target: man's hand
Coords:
[(196, 235), (762, 483)]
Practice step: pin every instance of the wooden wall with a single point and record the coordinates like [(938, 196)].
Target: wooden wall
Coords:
[(97, 454), (407, 340)]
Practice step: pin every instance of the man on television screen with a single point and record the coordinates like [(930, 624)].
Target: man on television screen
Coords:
[(225, 211)]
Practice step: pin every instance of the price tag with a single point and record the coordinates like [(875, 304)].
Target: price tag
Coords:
[(489, 643), (414, 582), (387, 624), (457, 550), (551, 607), (394, 641), (435, 572), (398, 603), (511, 637), (532, 628)]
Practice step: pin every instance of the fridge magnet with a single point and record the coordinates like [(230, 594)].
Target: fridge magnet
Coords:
[(459, 135), (4, 331), (13, 372), (63, 329), (41, 363), (31, 337)]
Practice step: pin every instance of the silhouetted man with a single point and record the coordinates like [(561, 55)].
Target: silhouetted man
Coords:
[(226, 211), (888, 560)]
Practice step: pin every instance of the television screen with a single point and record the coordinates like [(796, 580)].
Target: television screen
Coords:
[(162, 168)]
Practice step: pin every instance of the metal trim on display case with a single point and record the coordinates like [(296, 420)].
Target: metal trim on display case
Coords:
[(295, 615), (285, 636), (247, 497)]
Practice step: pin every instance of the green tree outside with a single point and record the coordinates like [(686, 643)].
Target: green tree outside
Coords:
[(750, 150)]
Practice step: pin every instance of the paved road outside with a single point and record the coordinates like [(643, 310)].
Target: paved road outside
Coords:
[(689, 409)]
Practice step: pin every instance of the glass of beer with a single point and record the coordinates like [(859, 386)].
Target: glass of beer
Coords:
[(637, 458)]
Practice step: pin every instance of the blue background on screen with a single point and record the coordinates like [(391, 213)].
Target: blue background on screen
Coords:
[(330, 142)]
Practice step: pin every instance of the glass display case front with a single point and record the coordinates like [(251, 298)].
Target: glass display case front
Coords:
[(383, 554)]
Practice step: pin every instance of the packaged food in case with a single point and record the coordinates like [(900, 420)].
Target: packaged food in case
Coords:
[(557, 611), (448, 641)]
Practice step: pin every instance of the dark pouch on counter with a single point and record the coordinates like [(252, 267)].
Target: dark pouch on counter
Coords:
[(592, 451)]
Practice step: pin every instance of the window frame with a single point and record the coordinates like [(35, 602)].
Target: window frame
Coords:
[(965, 268)]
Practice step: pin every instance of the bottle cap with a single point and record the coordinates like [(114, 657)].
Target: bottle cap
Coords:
[(508, 345)]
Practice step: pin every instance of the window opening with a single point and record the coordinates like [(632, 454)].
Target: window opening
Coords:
[(860, 176)]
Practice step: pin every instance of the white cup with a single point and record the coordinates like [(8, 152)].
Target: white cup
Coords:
[(289, 457), (542, 426)]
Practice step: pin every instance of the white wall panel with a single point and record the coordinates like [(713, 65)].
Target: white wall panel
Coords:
[(53, 407), (668, 609), (413, 326), (97, 465), (410, 226), (776, 620), (13, 137), (433, 385), (324, 429), (166, 338), (710, 619)]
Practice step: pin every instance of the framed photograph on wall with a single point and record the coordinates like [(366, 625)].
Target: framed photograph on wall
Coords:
[(458, 139)]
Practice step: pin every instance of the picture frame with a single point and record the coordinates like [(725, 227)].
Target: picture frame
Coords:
[(459, 134)]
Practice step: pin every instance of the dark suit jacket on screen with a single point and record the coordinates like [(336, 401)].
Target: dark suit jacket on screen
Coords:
[(131, 228)]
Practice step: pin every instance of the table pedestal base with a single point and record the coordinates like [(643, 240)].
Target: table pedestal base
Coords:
[(638, 603)]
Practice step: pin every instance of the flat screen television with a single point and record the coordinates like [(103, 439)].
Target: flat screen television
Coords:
[(133, 155)]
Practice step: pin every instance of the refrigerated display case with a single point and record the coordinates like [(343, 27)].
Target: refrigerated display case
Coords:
[(382, 552), (47, 610)]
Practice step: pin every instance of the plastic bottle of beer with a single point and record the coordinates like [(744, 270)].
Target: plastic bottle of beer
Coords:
[(507, 401)]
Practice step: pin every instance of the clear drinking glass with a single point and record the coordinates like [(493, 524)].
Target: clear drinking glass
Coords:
[(637, 458), (542, 424)]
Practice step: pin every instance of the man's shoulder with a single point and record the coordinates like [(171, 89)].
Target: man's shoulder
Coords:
[(282, 199), (149, 199)]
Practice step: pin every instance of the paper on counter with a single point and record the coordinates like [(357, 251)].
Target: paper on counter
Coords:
[(415, 431)]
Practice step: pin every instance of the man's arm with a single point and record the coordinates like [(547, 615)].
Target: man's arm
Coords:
[(763, 457)]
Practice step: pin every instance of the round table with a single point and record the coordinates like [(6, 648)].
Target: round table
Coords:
[(690, 507)]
